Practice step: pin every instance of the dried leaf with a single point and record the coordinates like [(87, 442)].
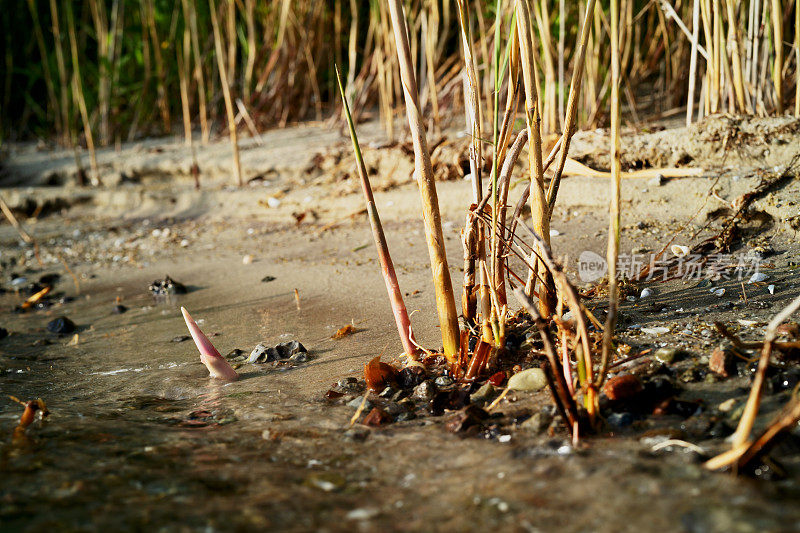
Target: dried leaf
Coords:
[(379, 375), (344, 331)]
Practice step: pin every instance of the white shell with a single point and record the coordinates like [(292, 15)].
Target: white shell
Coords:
[(679, 250)]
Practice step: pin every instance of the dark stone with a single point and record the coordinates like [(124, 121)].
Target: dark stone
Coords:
[(61, 326), (236, 355), (470, 416), (267, 279), (443, 381), (424, 391), (118, 309), (288, 349), (3, 333), (411, 376), (696, 426), (720, 430), (620, 420), (451, 400), (181, 338)]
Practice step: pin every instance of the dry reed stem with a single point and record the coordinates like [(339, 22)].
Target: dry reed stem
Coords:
[(541, 251), (62, 74), (80, 100), (572, 105), (736, 57), (777, 67), (539, 208), (741, 438), (559, 389), (753, 401), (693, 61), (445, 301), (226, 92), (473, 239), (797, 58), (614, 207)]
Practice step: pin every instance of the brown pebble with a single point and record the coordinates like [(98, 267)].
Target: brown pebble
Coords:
[(622, 387), (721, 362), (376, 417)]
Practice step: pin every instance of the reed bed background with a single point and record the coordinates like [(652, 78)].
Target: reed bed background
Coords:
[(100, 72)]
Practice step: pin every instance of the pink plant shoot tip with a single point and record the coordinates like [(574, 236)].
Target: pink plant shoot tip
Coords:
[(217, 366)]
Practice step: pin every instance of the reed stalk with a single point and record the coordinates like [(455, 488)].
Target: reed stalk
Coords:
[(550, 123), (736, 57), (539, 210), (190, 18), (572, 104), (163, 105), (797, 58), (445, 301), (562, 15), (62, 74), (740, 440), (387, 267), (183, 67), (226, 92), (614, 205), (474, 249), (693, 61), (80, 100), (777, 66), (250, 23)]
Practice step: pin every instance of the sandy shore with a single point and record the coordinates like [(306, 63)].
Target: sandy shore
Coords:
[(121, 395)]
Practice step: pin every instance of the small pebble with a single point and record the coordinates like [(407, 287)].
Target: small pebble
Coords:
[(424, 391), (531, 379), (665, 355), (620, 420), (61, 326), (355, 403), (658, 330), (443, 381)]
